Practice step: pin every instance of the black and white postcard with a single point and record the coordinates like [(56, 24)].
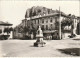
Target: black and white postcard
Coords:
[(39, 28)]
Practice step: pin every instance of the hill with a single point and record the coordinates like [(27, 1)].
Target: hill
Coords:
[(38, 10)]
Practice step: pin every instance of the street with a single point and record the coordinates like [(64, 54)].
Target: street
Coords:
[(52, 48)]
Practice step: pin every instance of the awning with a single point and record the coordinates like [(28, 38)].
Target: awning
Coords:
[(49, 31)]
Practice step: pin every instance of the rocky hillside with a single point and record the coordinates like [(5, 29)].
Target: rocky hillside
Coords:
[(38, 10)]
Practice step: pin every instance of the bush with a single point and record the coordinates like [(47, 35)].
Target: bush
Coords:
[(4, 37)]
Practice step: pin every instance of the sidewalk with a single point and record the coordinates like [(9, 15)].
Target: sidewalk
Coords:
[(76, 38)]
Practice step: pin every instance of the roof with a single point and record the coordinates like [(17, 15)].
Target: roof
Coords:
[(5, 23), (1, 22), (35, 17), (48, 15)]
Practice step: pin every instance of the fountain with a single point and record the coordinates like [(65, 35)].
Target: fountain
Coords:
[(39, 37)]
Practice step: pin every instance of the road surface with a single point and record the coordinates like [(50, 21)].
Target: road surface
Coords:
[(25, 48)]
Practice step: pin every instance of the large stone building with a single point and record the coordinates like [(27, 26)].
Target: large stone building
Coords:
[(47, 23), (49, 20)]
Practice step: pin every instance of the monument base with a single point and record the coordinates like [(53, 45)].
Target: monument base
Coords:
[(39, 44)]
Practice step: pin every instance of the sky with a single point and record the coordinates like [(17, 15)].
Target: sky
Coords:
[(14, 11)]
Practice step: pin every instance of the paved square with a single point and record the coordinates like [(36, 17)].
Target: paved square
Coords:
[(25, 48)]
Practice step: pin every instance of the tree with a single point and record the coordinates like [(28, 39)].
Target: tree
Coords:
[(66, 22), (8, 30), (33, 30)]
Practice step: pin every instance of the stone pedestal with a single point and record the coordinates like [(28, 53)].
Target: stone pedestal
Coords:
[(39, 37)]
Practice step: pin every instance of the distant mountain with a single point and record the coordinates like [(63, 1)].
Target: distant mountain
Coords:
[(38, 10)]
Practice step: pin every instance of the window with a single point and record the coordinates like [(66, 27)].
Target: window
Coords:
[(35, 21), (51, 20), (56, 19), (46, 27), (42, 20), (42, 27), (38, 21), (46, 21), (51, 26)]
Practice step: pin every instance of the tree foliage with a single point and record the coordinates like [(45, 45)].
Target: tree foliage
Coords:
[(8, 30), (66, 22)]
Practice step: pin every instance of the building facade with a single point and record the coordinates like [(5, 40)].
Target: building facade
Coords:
[(49, 26)]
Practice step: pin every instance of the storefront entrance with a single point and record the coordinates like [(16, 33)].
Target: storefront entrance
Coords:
[(50, 35)]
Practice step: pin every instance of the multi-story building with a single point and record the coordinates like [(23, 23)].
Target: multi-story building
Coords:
[(47, 23)]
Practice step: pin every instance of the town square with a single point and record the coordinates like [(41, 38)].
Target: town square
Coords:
[(40, 29)]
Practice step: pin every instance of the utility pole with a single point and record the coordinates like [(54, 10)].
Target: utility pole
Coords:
[(59, 23)]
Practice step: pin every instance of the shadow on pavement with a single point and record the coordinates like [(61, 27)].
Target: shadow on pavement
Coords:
[(77, 39), (32, 46), (71, 51)]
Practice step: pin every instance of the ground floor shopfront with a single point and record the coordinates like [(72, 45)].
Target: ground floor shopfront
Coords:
[(47, 35), (50, 35)]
